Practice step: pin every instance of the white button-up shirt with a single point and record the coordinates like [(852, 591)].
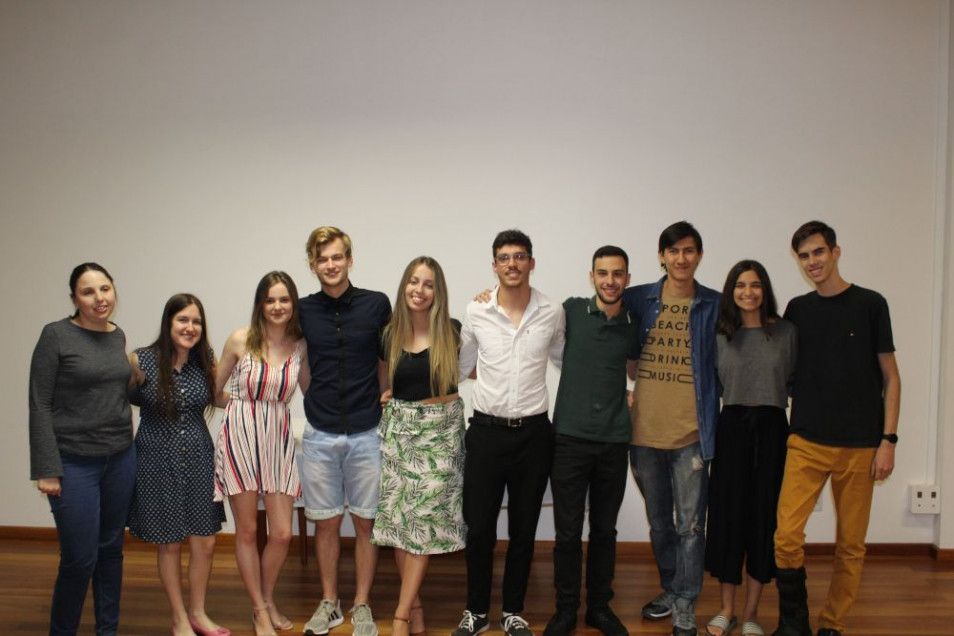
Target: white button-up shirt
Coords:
[(511, 361)]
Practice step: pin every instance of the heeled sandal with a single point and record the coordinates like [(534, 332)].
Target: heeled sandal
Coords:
[(285, 624), (400, 619), (255, 613), (419, 609)]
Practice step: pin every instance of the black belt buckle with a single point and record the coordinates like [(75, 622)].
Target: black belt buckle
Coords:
[(506, 422)]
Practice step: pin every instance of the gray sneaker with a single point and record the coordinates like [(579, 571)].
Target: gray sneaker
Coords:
[(660, 607), (362, 620), (683, 618), (327, 615)]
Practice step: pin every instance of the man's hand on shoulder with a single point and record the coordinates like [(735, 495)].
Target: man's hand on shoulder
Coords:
[(484, 296)]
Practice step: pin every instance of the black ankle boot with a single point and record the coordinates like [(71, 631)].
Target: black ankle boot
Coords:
[(792, 603)]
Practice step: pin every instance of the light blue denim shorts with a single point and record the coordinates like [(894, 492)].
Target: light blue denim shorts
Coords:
[(335, 468)]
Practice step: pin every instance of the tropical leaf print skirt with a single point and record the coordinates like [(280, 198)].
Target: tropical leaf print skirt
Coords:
[(422, 477)]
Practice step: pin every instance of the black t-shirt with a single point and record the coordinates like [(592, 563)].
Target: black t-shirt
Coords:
[(837, 398)]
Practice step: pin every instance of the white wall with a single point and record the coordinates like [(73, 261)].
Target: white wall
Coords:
[(945, 442), (193, 146)]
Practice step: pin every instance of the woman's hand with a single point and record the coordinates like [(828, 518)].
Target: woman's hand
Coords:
[(386, 397), (137, 377), (49, 486)]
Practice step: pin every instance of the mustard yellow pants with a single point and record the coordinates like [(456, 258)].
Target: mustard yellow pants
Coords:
[(807, 467)]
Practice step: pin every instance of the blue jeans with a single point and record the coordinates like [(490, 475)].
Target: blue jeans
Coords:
[(90, 517), (675, 481)]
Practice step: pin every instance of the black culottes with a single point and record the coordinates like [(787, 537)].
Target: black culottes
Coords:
[(743, 492)]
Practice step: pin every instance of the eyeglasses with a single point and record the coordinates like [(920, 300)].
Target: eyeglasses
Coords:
[(503, 259)]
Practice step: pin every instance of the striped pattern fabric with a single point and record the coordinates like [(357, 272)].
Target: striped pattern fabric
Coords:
[(256, 447)]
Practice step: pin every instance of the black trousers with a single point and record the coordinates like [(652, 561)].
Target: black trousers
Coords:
[(581, 466), (498, 458), (744, 488)]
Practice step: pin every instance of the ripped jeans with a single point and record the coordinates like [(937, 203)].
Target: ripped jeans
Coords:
[(674, 485)]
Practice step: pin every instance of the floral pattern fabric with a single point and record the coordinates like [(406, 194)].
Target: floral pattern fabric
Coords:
[(422, 477)]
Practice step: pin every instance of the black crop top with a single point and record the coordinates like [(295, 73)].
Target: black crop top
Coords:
[(412, 376)]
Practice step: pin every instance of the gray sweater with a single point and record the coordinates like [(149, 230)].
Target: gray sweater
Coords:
[(755, 370), (78, 402)]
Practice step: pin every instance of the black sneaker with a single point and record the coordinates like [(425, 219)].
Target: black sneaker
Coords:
[(659, 608), (828, 631), (603, 619), (515, 625), (561, 624), (471, 625)]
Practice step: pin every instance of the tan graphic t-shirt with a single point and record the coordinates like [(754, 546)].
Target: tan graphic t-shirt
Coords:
[(664, 415)]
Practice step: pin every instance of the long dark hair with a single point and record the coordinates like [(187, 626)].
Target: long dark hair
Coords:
[(730, 318), (81, 269), (201, 352), (255, 340)]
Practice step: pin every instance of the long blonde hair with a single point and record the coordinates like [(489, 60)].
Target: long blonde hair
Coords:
[(255, 339), (443, 338)]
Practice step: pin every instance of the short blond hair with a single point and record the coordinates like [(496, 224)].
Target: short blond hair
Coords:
[(321, 237)]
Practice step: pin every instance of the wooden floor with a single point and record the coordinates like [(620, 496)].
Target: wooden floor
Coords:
[(899, 595)]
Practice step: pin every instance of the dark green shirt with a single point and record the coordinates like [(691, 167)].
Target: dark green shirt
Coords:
[(591, 400)]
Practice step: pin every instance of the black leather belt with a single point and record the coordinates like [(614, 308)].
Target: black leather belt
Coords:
[(508, 422)]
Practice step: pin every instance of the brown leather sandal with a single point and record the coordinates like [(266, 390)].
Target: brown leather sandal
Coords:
[(397, 621), (419, 609)]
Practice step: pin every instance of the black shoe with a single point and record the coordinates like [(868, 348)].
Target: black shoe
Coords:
[(471, 625), (828, 631), (603, 619), (659, 608), (561, 624), (792, 603), (515, 625)]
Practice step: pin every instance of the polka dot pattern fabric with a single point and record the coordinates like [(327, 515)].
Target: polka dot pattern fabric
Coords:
[(175, 476)]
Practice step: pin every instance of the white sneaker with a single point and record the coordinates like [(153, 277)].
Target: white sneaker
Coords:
[(327, 615), (362, 620)]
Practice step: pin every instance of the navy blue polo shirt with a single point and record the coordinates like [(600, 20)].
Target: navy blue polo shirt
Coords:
[(344, 346)]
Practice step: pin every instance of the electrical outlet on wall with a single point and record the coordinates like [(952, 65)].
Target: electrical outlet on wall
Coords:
[(925, 499)]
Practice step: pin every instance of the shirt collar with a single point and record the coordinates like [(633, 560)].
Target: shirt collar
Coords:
[(593, 308), (536, 300), (657, 290), (345, 298), (192, 360)]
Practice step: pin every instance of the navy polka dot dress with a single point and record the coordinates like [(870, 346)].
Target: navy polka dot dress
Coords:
[(175, 474)]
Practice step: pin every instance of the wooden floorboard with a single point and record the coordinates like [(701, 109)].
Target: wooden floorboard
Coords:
[(906, 595)]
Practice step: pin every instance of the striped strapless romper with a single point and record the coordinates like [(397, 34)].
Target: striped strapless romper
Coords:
[(256, 447)]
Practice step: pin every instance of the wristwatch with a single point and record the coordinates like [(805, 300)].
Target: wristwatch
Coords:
[(891, 437)]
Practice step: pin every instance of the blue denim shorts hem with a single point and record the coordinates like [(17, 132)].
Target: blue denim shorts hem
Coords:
[(322, 515), (363, 513)]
